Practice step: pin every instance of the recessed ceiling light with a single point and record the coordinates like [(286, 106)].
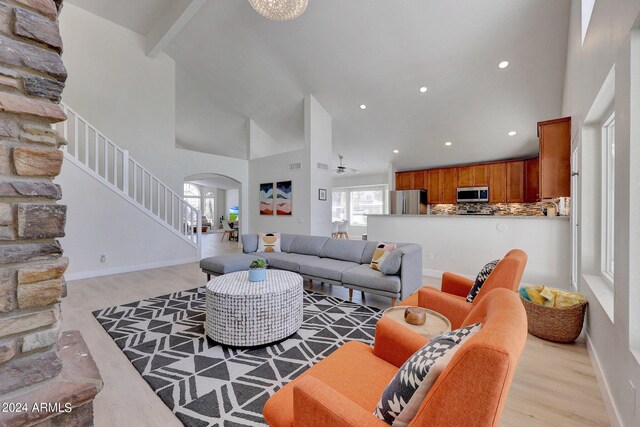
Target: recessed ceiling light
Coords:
[(363, 107), (396, 151), (423, 89), (503, 64), (448, 143), (513, 132)]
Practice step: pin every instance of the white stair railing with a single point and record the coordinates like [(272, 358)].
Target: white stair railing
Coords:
[(110, 164)]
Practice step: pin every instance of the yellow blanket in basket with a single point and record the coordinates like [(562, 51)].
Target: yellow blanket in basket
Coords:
[(552, 297)]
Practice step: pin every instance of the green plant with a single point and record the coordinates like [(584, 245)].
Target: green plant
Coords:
[(258, 263)]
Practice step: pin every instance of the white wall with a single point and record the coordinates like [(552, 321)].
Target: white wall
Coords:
[(101, 222), (464, 245), (261, 144), (131, 99), (318, 142), (608, 43), (270, 170), (357, 180)]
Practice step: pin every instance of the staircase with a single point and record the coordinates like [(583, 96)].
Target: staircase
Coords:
[(111, 165)]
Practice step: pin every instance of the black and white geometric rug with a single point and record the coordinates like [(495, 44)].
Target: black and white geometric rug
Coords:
[(207, 384)]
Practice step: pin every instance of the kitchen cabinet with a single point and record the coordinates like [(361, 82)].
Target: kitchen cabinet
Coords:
[(555, 158), (420, 180), (404, 180), (498, 183), (515, 182), (465, 176), (449, 185), (434, 188), (532, 180), (473, 176), (480, 175)]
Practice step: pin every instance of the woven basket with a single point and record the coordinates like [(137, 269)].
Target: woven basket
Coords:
[(557, 324)]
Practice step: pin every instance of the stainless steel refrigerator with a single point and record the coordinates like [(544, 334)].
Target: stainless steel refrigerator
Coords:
[(408, 202)]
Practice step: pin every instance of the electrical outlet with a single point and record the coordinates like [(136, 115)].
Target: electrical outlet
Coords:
[(300, 220), (430, 256), (103, 259)]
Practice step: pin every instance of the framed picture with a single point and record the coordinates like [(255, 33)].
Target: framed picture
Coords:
[(322, 194), (266, 199), (283, 198)]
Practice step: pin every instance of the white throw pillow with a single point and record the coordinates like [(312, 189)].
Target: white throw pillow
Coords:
[(269, 242)]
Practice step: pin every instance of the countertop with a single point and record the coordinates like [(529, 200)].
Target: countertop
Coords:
[(478, 216)]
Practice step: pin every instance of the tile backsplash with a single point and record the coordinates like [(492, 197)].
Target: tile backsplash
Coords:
[(498, 209)]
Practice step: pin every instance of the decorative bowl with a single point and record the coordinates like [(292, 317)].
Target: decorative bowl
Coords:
[(415, 316)]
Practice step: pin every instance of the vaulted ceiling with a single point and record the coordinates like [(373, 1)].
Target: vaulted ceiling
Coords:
[(232, 64)]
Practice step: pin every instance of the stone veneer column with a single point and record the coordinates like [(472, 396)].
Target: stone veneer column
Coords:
[(38, 364)]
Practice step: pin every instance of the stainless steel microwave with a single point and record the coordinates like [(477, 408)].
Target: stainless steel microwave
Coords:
[(473, 194)]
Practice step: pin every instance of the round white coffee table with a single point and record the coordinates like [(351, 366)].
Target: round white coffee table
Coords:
[(246, 314)]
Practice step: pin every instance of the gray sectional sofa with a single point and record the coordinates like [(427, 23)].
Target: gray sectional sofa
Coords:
[(334, 261)]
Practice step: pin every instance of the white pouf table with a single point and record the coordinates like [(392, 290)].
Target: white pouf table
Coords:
[(246, 314)]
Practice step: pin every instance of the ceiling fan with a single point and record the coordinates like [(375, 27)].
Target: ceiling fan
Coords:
[(342, 168)]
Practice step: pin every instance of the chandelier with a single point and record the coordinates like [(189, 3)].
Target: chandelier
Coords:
[(279, 10)]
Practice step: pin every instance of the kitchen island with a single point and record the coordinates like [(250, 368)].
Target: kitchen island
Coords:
[(463, 244)]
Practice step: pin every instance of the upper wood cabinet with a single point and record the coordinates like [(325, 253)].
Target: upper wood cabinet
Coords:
[(515, 182), (434, 178), (480, 175), (498, 183), (420, 180), (555, 158), (404, 180), (465, 176), (532, 180), (449, 185), (473, 176)]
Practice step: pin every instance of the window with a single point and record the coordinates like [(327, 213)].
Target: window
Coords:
[(363, 203), (354, 204), (587, 11), (192, 195), (608, 196), (209, 206), (339, 206)]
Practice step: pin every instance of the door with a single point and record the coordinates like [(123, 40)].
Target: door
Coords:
[(480, 175), (403, 181), (532, 181), (555, 158), (419, 180)]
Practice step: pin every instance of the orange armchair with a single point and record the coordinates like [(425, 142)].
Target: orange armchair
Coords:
[(344, 388), (451, 300)]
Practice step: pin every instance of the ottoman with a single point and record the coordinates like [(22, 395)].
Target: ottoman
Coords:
[(246, 314)]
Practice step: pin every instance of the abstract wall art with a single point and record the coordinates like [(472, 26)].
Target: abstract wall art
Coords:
[(283, 198), (266, 199)]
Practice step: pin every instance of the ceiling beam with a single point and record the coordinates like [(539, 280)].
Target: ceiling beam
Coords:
[(169, 26)]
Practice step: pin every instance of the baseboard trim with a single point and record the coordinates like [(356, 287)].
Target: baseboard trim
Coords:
[(605, 390), (127, 269)]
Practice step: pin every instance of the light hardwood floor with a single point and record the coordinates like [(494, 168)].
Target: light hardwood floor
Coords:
[(554, 386)]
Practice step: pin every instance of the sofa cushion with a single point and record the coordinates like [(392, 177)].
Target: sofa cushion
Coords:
[(367, 254), (327, 268), (224, 264), (269, 242), (480, 279), (285, 241), (403, 396), (290, 262), (366, 277), (392, 263), (308, 245), (249, 243), (382, 252), (345, 250)]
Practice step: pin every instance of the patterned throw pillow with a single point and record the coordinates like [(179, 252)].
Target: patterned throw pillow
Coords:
[(480, 279), (381, 253), (403, 396), (268, 242)]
